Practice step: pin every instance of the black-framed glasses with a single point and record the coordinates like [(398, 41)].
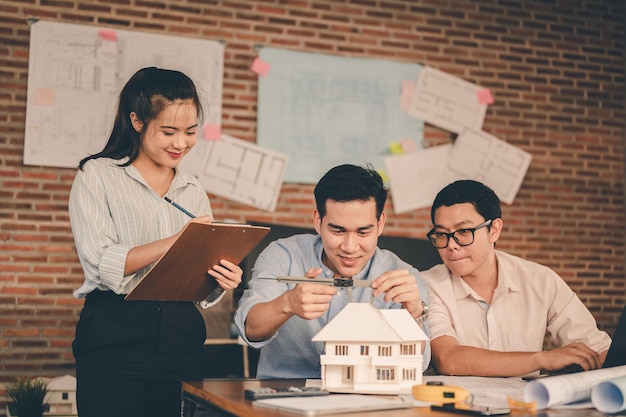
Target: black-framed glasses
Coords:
[(462, 237)]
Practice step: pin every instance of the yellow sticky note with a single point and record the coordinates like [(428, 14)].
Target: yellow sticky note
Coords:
[(396, 148)]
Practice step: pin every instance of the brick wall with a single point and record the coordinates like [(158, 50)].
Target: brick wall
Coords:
[(555, 68)]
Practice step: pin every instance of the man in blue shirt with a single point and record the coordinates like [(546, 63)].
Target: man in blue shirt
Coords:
[(282, 318)]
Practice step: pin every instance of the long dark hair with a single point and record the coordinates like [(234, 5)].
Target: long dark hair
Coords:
[(147, 92)]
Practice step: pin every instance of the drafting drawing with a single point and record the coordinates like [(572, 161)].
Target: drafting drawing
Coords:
[(415, 178), (371, 351), (244, 172), (323, 110), (485, 158), (76, 72), (446, 101)]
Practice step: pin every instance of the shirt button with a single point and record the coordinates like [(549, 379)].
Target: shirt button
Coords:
[(328, 273)]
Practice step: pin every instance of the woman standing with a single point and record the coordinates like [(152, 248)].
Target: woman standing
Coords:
[(131, 356)]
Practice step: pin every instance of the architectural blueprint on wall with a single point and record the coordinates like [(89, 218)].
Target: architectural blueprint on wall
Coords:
[(243, 172), (485, 158), (324, 110), (446, 101), (76, 72)]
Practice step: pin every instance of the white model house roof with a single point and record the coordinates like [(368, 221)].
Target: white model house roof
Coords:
[(62, 383), (362, 322)]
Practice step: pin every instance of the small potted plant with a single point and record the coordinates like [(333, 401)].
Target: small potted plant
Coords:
[(28, 396)]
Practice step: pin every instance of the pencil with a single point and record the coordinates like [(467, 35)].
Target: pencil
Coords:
[(172, 202)]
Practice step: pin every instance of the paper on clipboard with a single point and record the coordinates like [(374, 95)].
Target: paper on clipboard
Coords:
[(181, 273)]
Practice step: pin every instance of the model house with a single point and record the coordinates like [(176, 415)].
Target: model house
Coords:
[(368, 350), (61, 397)]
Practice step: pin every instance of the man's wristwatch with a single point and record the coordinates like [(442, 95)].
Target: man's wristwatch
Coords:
[(424, 314)]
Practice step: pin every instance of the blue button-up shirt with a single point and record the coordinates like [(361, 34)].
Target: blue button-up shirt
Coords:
[(290, 353)]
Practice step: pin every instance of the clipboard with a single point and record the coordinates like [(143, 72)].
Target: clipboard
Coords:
[(181, 273)]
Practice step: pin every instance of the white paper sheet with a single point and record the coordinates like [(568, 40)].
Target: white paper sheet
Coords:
[(416, 178), (610, 396), (75, 74), (483, 157), (243, 171), (447, 101), (570, 388), (334, 404), (487, 392)]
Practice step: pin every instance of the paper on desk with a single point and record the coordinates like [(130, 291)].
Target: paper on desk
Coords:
[(570, 390), (491, 392), (610, 396), (333, 404)]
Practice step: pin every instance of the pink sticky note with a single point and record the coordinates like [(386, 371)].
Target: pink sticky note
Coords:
[(485, 97), (408, 145), (45, 97), (260, 67), (109, 35), (408, 88), (212, 132)]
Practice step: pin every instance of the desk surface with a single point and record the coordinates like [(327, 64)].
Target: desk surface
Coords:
[(227, 395)]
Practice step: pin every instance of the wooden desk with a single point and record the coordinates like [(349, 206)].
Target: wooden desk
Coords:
[(227, 395)]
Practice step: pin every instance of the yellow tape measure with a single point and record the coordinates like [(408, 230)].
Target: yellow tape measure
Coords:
[(438, 393)]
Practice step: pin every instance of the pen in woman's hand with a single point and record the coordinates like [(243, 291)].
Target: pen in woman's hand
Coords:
[(172, 202)]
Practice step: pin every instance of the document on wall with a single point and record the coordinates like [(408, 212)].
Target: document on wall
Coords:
[(242, 171), (415, 178), (570, 390), (76, 72), (324, 110), (492, 161), (447, 101)]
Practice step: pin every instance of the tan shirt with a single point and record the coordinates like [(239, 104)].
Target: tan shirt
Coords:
[(529, 301)]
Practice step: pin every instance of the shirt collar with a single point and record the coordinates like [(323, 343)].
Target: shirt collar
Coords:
[(505, 282), (180, 180)]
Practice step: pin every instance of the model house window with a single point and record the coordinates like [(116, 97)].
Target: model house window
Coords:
[(384, 350), (341, 350), (365, 350), (385, 374), (409, 374), (408, 350), (347, 375)]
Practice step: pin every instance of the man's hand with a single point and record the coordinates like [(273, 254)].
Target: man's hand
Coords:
[(309, 301), (576, 353), (400, 287)]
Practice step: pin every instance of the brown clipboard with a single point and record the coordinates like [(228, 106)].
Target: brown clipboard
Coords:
[(181, 273)]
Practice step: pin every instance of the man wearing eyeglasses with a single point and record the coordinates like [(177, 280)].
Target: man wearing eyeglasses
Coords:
[(490, 310)]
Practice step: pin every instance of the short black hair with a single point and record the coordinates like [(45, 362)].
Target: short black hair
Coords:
[(483, 198), (349, 183)]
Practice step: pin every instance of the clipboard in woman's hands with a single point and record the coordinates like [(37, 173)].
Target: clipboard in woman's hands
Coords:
[(181, 273)]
